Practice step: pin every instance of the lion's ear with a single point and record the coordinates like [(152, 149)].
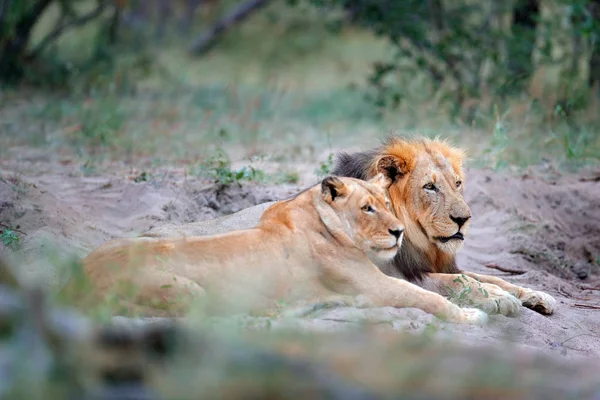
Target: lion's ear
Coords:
[(392, 167), (333, 187), (381, 180)]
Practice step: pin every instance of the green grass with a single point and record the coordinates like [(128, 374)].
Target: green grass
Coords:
[(325, 167), (10, 238), (218, 168)]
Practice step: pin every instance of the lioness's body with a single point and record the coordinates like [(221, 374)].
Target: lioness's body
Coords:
[(317, 246), (229, 266)]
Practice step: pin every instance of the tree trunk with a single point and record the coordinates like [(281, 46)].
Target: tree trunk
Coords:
[(594, 73), (115, 24), (207, 40), (165, 11), (12, 49), (190, 10), (520, 48)]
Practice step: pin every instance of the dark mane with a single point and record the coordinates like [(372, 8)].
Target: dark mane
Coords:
[(355, 165), (410, 261)]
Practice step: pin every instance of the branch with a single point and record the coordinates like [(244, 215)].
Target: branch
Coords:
[(12, 229), (60, 28), (208, 39), (503, 269), (26, 23)]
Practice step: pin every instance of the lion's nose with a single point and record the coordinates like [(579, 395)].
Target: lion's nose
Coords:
[(396, 233), (460, 221)]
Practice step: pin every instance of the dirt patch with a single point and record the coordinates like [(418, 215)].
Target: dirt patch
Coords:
[(552, 222), (544, 224)]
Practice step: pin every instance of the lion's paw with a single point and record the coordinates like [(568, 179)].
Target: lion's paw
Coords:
[(495, 300), (473, 316), (539, 301)]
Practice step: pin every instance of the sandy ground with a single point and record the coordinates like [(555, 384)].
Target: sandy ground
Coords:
[(543, 223)]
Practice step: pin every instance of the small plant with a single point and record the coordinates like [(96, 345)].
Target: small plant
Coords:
[(325, 167), (218, 167), (142, 177), (246, 173), (498, 143), (10, 238), (88, 168)]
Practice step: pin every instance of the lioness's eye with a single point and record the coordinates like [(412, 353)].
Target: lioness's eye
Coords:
[(368, 209), (458, 184), (429, 186)]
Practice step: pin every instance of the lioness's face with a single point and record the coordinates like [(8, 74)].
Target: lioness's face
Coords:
[(430, 195), (365, 211)]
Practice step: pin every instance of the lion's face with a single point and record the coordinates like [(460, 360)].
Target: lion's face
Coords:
[(428, 192), (437, 203), (365, 211)]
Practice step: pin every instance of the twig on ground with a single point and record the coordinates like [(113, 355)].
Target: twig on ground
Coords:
[(576, 336), (562, 291), (504, 269), (590, 287), (12, 229), (591, 179), (586, 306)]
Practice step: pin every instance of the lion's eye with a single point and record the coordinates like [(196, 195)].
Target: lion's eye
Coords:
[(368, 209), (458, 184), (429, 186)]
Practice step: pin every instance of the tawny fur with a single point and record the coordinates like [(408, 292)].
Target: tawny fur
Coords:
[(427, 194), (317, 246)]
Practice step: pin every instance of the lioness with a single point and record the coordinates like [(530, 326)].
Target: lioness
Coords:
[(427, 195), (317, 246)]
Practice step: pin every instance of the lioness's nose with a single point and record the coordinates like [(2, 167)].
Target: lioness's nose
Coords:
[(396, 232), (460, 221)]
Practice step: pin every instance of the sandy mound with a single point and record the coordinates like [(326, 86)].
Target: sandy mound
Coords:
[(64, 214), (544, 225)]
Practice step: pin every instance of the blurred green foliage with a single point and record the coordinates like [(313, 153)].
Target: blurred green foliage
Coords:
[(510, 72), (468, 49)]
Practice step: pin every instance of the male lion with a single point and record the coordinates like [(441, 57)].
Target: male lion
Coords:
[(427, 195), (317, 246)]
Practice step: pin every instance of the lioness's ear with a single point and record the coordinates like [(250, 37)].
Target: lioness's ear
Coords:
[(333, 187), (381, 180), (392, 167)]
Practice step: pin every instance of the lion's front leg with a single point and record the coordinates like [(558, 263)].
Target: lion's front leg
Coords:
[(379, 290), (537, 301), (465, 290)]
